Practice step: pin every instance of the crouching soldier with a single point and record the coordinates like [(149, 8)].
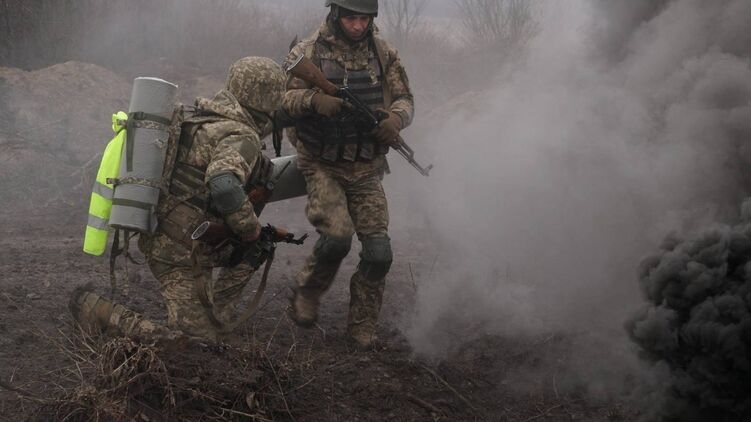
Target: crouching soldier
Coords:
[(219, 154)]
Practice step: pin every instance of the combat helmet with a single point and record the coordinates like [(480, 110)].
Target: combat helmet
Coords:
[(258, 83), (366, 7)]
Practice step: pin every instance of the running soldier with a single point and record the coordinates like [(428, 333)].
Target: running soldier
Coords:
[(343, 166)]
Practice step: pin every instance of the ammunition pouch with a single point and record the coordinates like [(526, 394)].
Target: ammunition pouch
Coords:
[(346, 138), (179, 223)]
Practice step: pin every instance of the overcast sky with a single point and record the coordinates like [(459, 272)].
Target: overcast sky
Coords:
[(440, 8)]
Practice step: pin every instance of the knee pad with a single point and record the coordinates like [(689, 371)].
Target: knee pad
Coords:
[(376, 257), (332, 248), (227, 194)]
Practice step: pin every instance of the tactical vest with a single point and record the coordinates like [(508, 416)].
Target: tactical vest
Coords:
[(344, 137), (188, 203)]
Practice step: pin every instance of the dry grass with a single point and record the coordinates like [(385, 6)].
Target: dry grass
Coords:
[(183, 379)]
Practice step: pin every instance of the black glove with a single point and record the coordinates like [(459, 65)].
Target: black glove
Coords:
[(249, 247), (258, 252)]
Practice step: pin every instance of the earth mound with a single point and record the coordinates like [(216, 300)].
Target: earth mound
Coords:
[(54, 122)]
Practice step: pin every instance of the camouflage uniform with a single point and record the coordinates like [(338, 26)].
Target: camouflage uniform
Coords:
[(222, 138), (345, 195), (229, 144)]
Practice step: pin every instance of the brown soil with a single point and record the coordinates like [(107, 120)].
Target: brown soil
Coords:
[(311, 375), (272, 369)]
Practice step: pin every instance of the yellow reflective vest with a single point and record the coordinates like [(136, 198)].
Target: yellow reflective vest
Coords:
[(97, 228)]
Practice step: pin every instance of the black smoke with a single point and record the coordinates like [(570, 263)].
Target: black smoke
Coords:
[(698, 323)]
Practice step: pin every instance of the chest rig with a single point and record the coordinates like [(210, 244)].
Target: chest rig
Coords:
[(345, 137), (188, 203)]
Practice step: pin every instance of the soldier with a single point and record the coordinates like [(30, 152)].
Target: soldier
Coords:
[(219, 154), (343, 167)]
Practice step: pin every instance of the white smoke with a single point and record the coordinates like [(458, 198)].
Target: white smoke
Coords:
[(552, 183)]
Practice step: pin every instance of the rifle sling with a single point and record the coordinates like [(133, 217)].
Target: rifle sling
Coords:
[(202, 291)]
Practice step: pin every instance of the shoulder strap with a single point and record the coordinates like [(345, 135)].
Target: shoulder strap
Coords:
[(182, 137), (117, 250), (191, 125), (313, 50), (175, 132), (310, 48), (380, 49)]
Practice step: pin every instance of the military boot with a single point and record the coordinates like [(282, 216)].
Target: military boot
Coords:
[(97, 315), (90, 311), (362, 333), (314, 279), (304, 308), (364, 306)]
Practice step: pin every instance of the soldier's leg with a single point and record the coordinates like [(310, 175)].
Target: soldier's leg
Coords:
[(228, 288), (184, 309), (369, 210), (98, 315), (327, 211)]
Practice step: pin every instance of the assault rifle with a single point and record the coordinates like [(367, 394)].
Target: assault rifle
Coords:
[(216, 234), (306, 70)]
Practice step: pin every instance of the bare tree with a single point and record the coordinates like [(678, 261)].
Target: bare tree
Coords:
[(403, 18), (505, 24)]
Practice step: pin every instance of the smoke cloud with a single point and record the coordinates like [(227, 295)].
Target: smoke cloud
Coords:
[(698, 322), (622, 121)]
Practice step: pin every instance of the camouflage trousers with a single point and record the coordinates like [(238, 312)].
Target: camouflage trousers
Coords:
[(344, 199), (185, 312)]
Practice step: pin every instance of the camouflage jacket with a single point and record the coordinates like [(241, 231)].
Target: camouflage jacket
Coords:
[(354, 56), (226, 139)]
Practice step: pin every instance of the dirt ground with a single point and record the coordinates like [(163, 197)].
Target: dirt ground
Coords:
[(318, 376), (271, 370)]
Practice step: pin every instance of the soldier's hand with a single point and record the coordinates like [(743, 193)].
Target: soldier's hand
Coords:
[(327, 105), (251, 235), (258, 252), (388, 130)]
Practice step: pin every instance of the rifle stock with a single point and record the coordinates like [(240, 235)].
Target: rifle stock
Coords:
[(303, 68), (306, 70)]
